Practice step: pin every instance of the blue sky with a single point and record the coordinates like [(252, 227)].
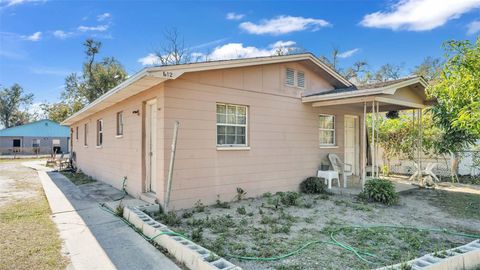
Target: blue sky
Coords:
[(41, 41)]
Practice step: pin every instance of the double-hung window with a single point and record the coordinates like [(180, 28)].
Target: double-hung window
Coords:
[(326, 129), (99, 132), (119, 123), (231, 125)]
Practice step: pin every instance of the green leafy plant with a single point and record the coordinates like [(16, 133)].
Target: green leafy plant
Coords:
[(289, 198), (313, 185), (197, 235), (380, 190), (241, 210), (220, 204)]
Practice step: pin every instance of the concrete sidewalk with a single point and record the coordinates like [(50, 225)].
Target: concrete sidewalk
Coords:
[(95, 238)]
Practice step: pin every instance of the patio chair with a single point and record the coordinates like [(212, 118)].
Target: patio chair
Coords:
[(341, 167)]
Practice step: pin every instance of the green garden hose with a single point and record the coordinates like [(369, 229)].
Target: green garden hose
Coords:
[(358, 253)]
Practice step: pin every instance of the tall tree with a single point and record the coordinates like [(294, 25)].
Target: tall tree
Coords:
[(429, 69), (173, 50), (457, 92), (11, 101), (388, 72), (96, 79)]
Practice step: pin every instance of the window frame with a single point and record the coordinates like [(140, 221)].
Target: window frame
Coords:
[(85, 134), (327, 129), (76, 133), (246, 126), (33, 143), (119, 129), (99, 133)]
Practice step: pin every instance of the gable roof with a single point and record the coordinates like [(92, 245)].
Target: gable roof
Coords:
[(41, 128), (151, 76)]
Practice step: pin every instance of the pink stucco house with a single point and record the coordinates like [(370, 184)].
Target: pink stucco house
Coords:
[(262, 124)]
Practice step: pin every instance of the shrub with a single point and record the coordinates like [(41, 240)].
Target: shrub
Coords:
[(380, 190), (197, 235), (199, 207), (313, 185), (288, 198)]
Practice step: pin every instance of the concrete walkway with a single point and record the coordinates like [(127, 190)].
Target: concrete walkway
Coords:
[(94, 238)]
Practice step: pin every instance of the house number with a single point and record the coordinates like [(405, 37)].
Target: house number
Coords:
[(168, 74)]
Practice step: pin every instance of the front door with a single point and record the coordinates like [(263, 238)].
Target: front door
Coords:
[(351, 142), (150, 145)]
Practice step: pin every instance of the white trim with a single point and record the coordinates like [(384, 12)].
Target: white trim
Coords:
[(235, 125), (388, 90), (328, 146), (118, 136), (334, 129), (233, 148)]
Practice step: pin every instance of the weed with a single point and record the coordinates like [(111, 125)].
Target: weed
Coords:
[(220, 204), (240, 194), (187, 214), (199, 207), (309, 220), (197, 235), (241, 210), (170, 219), (380, 190), (267, 195), (288, 198), (119, 209)]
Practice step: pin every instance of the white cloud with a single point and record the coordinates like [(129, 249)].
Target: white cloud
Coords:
[(149, 60), (473, 27), (348, 53), (419, 15), (238, 50), (283, 25), (229, 51), (99, 28), (9, 3), (62, 34), (234, 16), (33, 37), (104, 16)]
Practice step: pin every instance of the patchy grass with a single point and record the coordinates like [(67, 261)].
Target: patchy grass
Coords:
[(458, 204), (28, 236), (276, 224), (78, 178)]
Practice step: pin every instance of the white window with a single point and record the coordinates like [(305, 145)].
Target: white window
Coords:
[(294, 78), (119, 123), (231, 125), (85, 134), (326, 129), (56, 142), (99, 132)]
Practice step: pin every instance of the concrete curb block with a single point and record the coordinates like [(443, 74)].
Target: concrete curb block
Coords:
[(194, 256), (466, 257)]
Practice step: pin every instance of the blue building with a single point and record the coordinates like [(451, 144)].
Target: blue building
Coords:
[(40, 137)]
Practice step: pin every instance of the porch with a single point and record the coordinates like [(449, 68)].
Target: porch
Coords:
[(368, 102)]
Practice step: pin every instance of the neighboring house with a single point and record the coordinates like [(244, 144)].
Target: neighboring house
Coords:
[(262, 124), (39, 137)]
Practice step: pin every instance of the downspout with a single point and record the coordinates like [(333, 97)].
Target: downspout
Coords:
[(170, 169)]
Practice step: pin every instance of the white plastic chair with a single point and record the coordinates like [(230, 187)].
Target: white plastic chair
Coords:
[(341, 167)]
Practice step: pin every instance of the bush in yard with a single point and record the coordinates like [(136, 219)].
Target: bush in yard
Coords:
[(313, 185), (380, 190)]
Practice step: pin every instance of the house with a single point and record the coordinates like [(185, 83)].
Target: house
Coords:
[(39, 137), (261, 124)]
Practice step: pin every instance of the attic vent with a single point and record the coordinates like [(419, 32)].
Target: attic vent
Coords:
[(301, 79), (290, 77)]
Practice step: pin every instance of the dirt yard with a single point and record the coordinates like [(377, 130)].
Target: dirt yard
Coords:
[(277, 224), (28, 237)]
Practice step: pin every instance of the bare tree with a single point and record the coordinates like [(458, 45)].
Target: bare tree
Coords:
[(335, 52), (388, 72), (173, 51)]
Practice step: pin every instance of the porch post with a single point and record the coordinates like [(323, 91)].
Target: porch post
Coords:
[(420, 143), (364, 144), (372, 147), (376, 146)]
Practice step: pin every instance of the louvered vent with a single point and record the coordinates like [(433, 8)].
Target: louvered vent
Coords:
[(290, 77), (301, 79)]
